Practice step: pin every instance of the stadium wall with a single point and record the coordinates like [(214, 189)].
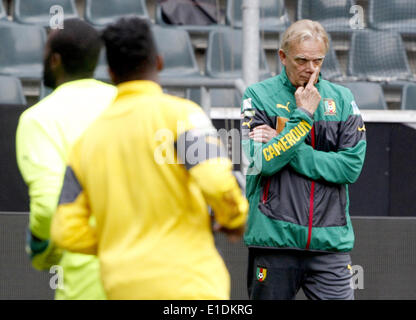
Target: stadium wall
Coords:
[(385, 250)]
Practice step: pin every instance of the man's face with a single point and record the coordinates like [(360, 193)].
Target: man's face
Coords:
[(302, 59), (49, 76)]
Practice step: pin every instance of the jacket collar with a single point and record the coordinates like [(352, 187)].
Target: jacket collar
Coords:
[(139, 87)]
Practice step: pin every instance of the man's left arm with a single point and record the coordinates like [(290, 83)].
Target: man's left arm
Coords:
[(343, 166), (40, 162)]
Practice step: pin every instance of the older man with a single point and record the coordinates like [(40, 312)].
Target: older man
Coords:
[(305, 140)]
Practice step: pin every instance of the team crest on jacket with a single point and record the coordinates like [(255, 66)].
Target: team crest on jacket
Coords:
[(261, 274), (330, 107)]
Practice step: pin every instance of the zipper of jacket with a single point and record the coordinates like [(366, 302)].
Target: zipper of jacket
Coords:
[(266, 191), (311, 195)]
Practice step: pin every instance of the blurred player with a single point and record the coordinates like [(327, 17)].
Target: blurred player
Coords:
[(306, 141), (45, 134), (137, 172)]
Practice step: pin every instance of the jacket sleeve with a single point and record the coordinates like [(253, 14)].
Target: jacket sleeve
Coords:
[(41, 165), (343, 166), (71, 228), (202, 152), (269, 158)]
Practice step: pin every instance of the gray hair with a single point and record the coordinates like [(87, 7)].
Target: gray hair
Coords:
[(303, 30)]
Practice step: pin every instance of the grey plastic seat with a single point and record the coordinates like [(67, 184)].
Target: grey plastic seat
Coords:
[(103, 12), (44, 91), (175, 46), (101, 71), (11, 91), (409, 97), (368, 95), (331, 69), (378, 56), (273, 15), (334, 15), (21, 50), (192, 28), (218, 97), (224, 55), (3, 14), (390, 15), (39, 12)]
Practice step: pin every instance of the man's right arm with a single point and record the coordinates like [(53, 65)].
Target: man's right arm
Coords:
[(272, 156), (268, 158)]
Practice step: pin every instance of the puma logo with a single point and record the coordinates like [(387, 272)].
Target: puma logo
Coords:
[(362, 128), (247, 123), (286, 107)]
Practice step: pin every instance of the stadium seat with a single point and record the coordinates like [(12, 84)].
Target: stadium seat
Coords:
[(378, 56), (102, 12), (273, 15), (44, 91), (160, 19), (218, 97), (409, 97), (224, 55), (334, 15), (21, 50), (3, 14), (399, 16), (367, 95), (11, 91), (39, 12), (174, 45), (331, 69), (101, 71)]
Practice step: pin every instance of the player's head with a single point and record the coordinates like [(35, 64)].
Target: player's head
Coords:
[(303, 48), (71, 53), (131, 50)]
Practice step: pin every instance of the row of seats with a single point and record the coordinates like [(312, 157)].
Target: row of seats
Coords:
[(367, 94), (97, 12), (335, 15), (378, 56), (373, 55)]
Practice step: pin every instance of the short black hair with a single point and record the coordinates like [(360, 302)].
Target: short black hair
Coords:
[(130, 47), (79, 45)]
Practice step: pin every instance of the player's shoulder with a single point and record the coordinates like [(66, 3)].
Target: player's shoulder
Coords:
[(101, 86), (337, 90), (37, 112), (264, 87), (262, 93)]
